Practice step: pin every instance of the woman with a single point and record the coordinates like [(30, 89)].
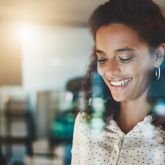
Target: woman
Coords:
[(129, 50)]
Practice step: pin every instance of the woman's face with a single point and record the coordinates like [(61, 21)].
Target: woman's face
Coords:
[(124, 62)]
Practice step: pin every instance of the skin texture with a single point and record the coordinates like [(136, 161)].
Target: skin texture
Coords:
[(114, 43)]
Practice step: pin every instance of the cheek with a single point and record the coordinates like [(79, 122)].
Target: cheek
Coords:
[(143, 67), (133, 68), (140, 70)]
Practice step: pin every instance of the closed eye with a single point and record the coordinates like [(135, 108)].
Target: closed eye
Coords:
[(102, 61), (124, 60)]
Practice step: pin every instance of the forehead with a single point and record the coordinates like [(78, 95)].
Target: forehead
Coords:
[(117, 36)]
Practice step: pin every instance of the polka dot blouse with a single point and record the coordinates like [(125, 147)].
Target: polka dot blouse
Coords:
[(113, 147)]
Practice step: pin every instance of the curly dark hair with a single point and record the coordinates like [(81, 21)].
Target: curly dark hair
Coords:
[(146, 18)]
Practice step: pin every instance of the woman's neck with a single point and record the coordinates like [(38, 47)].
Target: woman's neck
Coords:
[(132, 112)]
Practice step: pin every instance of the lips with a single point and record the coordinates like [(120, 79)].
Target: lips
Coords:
[(118, 85)]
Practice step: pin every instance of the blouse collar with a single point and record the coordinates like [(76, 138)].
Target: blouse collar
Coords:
[(113, 126)]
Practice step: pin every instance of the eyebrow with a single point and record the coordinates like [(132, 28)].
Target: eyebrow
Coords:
[(99, 51), (124, 49), (118, 50)]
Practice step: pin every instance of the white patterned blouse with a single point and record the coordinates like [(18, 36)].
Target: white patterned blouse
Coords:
[(113, 147)]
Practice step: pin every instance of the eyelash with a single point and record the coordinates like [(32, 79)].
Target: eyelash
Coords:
[(102, 61), (124, 60)]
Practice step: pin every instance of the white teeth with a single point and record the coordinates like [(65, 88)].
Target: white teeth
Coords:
[(120, 83)]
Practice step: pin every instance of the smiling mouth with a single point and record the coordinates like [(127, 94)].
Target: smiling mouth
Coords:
[(120, 83)]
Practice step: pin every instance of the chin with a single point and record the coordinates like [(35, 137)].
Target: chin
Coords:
[(119, 98)]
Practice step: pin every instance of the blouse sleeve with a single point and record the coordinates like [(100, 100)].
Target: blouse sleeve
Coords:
[(75, 146)]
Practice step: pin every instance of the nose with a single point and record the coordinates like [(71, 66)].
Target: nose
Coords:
[(112, 69)]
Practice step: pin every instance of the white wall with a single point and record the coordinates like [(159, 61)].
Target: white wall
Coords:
[(41, 44)]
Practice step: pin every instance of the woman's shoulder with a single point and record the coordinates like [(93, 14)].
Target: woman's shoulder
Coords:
[(81, 122), (81, 118)]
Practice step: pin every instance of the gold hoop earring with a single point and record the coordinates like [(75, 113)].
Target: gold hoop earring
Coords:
[(157, 72)]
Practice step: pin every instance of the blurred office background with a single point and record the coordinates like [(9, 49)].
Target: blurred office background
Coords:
[(44, 52)]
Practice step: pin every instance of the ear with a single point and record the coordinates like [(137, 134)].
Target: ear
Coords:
[(159, 55)]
